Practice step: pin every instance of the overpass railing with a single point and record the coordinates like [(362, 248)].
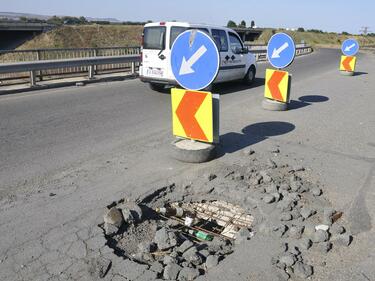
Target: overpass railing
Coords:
[(45, 64)]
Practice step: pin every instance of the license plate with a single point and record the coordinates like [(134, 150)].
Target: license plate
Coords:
[(155, 72)]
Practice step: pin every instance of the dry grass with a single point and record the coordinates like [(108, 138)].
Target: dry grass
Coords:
[(87, 36), (317, 39)]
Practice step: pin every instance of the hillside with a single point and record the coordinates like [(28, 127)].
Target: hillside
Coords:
[(87, 36), (318, 39)]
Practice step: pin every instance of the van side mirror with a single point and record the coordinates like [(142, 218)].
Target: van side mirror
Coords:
[(245, 50), (237, 50)]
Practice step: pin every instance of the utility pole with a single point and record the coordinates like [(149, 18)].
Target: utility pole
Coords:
[(365, 30)]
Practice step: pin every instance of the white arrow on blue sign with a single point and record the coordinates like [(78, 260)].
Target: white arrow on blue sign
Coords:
[(195, 60), (281, 50), (350, 47)]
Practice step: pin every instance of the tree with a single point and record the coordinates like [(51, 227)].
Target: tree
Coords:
[(252, 25), (345, 33), (242, 24), (301, 29), (83, 20), (231, 24)]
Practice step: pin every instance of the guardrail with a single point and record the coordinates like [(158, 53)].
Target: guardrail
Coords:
[(32, 67), (42, 63), (260, 51), (10, 56)]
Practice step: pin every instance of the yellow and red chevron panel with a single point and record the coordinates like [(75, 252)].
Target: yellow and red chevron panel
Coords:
[(192, 115), (348, 63), (277, 85)]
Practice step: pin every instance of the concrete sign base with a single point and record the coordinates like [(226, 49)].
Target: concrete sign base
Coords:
[(273, 105), (347, 73), (191, 151)]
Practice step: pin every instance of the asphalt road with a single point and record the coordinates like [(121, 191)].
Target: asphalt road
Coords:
[(42, 132), (66, 153)]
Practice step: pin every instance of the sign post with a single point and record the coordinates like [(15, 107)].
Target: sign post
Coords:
[(281, 51), (195, 62), (349, 48)]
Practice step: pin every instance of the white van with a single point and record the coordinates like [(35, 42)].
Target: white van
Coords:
[(236, 63)]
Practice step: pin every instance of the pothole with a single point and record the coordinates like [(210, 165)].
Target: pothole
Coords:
[(183, 231), (178, 240)]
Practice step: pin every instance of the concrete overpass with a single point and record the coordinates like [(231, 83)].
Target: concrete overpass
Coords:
[(25, 26), (248, 34), (13, 34)]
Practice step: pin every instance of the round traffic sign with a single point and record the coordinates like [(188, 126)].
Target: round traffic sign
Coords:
[(281, 50), (350, 47), (195, 60)]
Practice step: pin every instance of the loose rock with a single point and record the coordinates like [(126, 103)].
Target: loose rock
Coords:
[(114, 217), (248, 151), (212, 261), (303, 270), (162, 239), (295, 232), (344, 240), (320, 236), (337, 229), (110, 229), (268, 198), (286, 217), (188, 274), (324, 247), (316, 191), (307, 212), (171, 271), (288, 259), (305, 243), (185, 246)]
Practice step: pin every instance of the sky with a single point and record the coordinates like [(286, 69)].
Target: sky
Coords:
[(327, 15)]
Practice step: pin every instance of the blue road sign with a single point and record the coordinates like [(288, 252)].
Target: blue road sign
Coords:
[(350, 47), (195, 60), (281, 50)]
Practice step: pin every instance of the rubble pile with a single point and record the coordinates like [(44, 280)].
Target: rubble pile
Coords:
[(182, 231), (178, 241)]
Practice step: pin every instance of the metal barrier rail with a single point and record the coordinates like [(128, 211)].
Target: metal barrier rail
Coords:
[(9, 56), (60, 62), (261, 54), (34, 66)]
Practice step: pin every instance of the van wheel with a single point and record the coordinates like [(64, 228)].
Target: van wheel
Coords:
[(250, 76), (156, 87)]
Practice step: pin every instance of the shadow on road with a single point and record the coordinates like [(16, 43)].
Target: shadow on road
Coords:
[(233, 87), (359, 73), (252, 134), (306, 101)]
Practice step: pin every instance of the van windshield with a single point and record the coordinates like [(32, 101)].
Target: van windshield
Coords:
[(154, 38)]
